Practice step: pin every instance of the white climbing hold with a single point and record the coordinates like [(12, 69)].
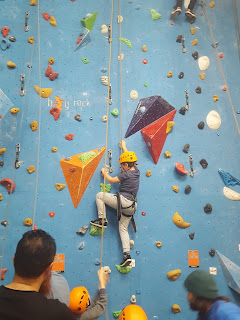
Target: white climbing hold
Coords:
[(133, 299), (120, 19), (131, 243), (231, 194), (104, 80), (104, 118), (104, 29), (133, 94), (121, 58), (106, 269), (203, 63), (213, 120)]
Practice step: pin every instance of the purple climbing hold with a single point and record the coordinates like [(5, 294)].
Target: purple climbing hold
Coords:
[(201, 125), (186, 148), (208, 208), (188, 189), (203, 163)]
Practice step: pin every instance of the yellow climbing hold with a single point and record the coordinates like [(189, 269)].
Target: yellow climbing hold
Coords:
[(170, 124), (211, 4), (30, 40), (34, 125), (192, 31), (194, 42), (179, 222), (28, 222), (31, 169), (158, 244), (54, 149), (144, 48), (167, 154), (215, 98), (169, 75), (43, 92), (2, 150), (1, 197), (148, 173), (14, 110), (60, 186), (33, 3), (174, 274), (11, 64), (175, 189), (53, 22), (176, 308), (51, 60), (202, 75)]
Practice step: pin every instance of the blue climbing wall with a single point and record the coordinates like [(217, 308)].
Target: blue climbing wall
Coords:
[(80, 86)]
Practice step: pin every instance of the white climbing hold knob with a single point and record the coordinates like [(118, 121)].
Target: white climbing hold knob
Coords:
[(133, 94), (104, 29), (213, 120), (203, 63), (104, 118), (104, 80), (133, 299), (121, 57), (131, 243), (120, 19)]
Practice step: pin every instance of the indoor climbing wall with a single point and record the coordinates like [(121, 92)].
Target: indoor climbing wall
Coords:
[(60, 129)]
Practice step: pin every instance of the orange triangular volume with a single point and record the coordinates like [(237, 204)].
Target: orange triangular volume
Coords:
[(78, 174), (155, 135)]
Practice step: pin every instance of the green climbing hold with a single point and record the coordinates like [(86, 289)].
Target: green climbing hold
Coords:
[(126, 41), (115, 112), (85, 60), (88, 22), (123, 269), (107, 187), (86, 156), (155, 15), (116, 314), (96, 231), (145, 84)]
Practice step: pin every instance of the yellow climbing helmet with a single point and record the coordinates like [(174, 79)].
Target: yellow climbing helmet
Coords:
[(128, 156)]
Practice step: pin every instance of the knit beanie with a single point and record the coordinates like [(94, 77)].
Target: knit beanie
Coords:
[(201, 284)]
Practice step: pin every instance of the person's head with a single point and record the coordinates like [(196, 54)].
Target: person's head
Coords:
[(127, 160)]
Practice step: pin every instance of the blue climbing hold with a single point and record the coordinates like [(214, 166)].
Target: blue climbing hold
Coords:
[(228, 179)]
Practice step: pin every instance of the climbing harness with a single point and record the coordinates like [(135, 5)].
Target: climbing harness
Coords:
[(120, 208)]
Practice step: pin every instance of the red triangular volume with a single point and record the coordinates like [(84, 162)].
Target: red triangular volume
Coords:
[(155, 135)]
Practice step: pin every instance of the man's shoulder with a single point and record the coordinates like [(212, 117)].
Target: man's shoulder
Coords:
[(228, 310)]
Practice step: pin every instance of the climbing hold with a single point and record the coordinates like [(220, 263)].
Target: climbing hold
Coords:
[(68, 158), (181, 75), (203, 63), (148, 173), (182, 111), (176, 308), (201, 13), (155, 15), (194, 42), (78, 117), (79, 40), (60, 186), (115, 112), (104, 29), (175, 189), (96, 231), (195, 55), (55, 112), (69, 136), (188, 189), (48, 71), (201, 125), (12, 39), (211, 4), (192, 30), (116, 314), (1, 163), (123, 269), (5, 31), (1, 197), (145, 61), (53, 76), (3, 271), (186, 148), (33, 3), (107, 187), (81, 246), (14, 110), (51, 60), (104, 80), (212, 252), (221, 55), (134, 94), (46, 16), (169, 75), (158, 244), (82, 230), (11, 64), (213, 120), (179, 222), (191, 235), (53, 22), (104, 118), (4, 223), (170, 125), (28, 222), (51, 214), (133, 299), (84, 157), (231, 194), (121, 57), (142, 109), (44, 93), (85, 60), (198, 90), (9, 184), (215, 98), (30, 40), (174, 274), (126, 41), (144, 48), (167, 154), (180, 168), (34, 125), (224, 88), (31, 169), (120, 19), (2, 150), (54, 149), (203, 163), (145, 84), (143, 213), (91, 118), (202, 75), (208, 208), (89, 20), (107, 270)]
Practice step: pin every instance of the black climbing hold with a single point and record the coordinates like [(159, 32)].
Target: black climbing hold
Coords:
[(201, 125), (198, 90), (91, 118), (208, 208), (1, 163), (203, 163), (12, 39), (182, 111), (238, 112), (179, 38), (188, 189), (181, 75), (4, 223), (77, 117), (186, 147), (212, 252), (195, 55), (191, 235), (215, 45)]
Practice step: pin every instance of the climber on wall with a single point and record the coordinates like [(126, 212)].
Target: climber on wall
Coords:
[(190, 15), (125, 200)]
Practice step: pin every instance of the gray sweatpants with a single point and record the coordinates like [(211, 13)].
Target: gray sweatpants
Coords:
[(111, 201)]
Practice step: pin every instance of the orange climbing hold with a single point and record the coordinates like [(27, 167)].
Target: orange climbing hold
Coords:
[(3, 271), (192, 31), (78, 180), (69, 136), (211, 4), (55, 112), (9, 184), (144, 48), (202, 75), (180, 168), (169, 75), (194, 42)]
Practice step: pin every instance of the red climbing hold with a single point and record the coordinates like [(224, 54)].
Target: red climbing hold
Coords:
[(55, 112), (79, 40), (53, 76), (145, 61), (51, 214), (201, 13), (48, 71), (46, 16), (221, 55), (0, 116), (5, 31), (69, 136), (9, 184), (3, 271), (180, 168), (35, 227), (143, 213), (72, 169), (225, 88)]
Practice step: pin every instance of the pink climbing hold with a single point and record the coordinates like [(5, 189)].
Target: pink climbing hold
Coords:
[(221, 55), (9, 184), (55, 112), (145, 61), (3, 271), (46, 16), (172, 23), (48, 71), (53, 76), (69, 136), (79, 40), (5, 31), (180, 168)]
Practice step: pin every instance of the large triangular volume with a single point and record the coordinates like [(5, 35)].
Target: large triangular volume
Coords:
[(79, 171), (231, 272), (155, 135), (89, 21), (148, 110)]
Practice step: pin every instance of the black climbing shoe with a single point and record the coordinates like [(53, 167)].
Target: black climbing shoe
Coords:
[(176, 12), (126, 261), (98, 223), (190, 15)]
